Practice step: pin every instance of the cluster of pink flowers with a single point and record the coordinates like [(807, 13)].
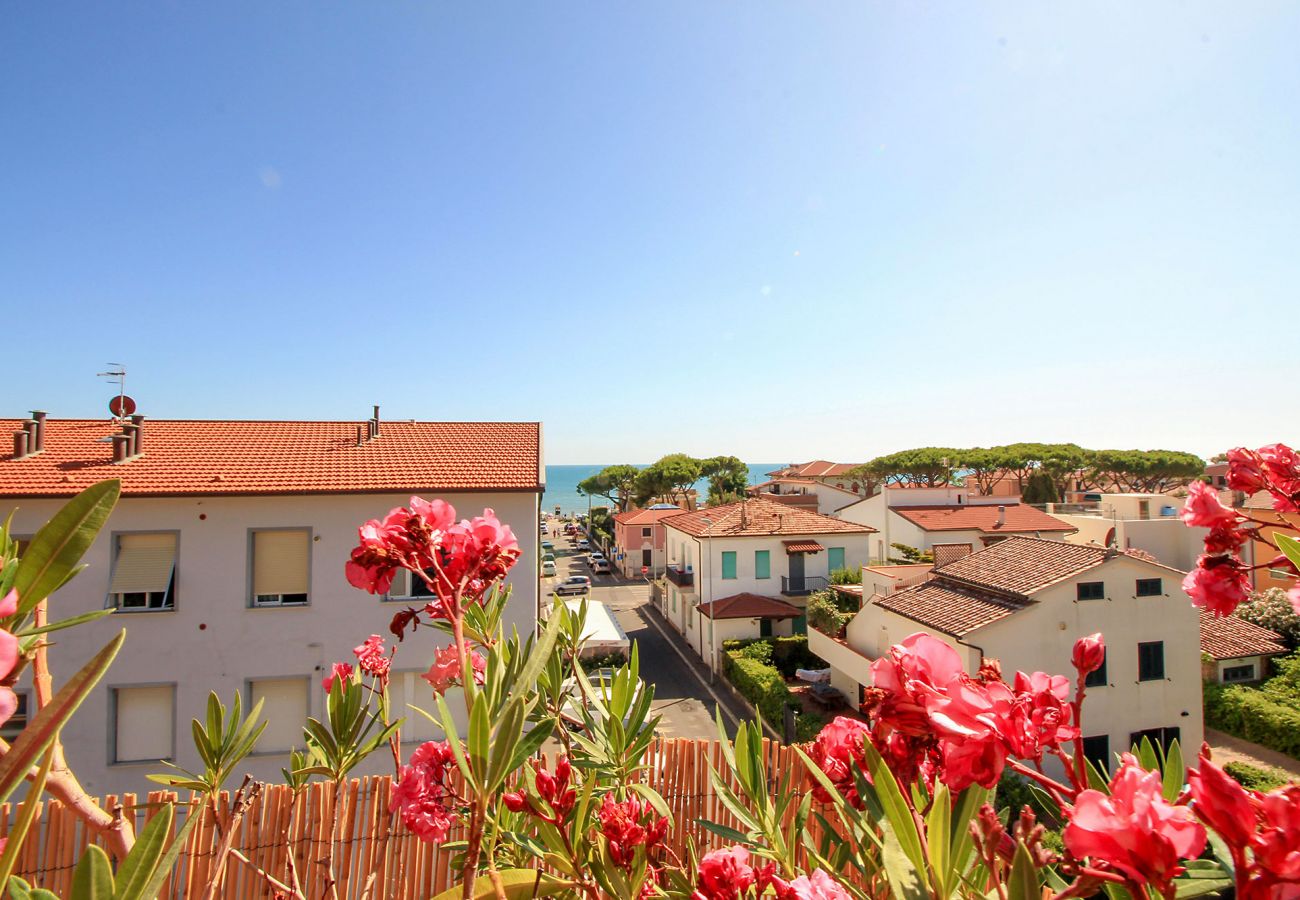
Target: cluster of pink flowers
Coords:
[(930, 719), (340, 672), (445, 670), (836, 750), (1133, 829), (423, 794), (1262, 830), (371, 657), (1221, 581), (729, 874), (553, 788), (629, 824), (458, 560)]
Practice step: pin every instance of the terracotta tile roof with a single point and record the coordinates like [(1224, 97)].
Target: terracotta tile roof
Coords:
[(950, 608), (1230, 638), (803, 547), (749, 606), (757, 517), (210, 457), (646, 516), (818, 468), (1021, 565), (1019, 518)]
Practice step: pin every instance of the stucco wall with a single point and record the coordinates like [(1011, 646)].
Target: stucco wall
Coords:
[(213, 640)]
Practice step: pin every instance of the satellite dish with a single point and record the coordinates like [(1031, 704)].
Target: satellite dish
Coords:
[(121, 406)]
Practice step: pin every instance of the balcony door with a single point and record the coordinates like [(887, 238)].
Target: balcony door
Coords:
[(796, 571)]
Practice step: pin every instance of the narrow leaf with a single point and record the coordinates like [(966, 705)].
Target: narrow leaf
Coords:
[(93, 877), (56, 549)]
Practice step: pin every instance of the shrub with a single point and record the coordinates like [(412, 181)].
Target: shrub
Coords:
[(760, 651), (846, 576), (760, 684), (1255, 778), (788, 654), (1272, 610), (825, 614), (1255, 715), (605, 661), (807, 726)]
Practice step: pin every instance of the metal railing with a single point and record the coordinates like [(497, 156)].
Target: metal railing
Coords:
[(798, 585), (681, 577)]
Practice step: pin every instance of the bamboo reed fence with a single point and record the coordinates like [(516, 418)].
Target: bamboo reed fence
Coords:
[(374, 855)]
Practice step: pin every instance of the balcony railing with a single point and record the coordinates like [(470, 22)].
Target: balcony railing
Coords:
[(799, 585), (681, 577)]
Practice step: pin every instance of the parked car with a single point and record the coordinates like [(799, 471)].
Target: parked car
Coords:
[(547, 545), (548, 556), (583, 544), (548, 567), (574, 584), (570, 528), (594, 557), (601, 567)]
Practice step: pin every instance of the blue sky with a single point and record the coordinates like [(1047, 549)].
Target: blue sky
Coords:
[(782, 231)]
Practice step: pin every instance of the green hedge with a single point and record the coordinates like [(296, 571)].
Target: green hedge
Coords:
[(787, 653), (760, 684), (1256, 715), (1255, 778)]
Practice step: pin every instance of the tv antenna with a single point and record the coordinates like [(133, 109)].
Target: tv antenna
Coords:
[(120, 406)]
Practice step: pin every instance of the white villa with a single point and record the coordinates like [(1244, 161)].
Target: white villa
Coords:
[(224, 561), (745, 569), (1025, 601)]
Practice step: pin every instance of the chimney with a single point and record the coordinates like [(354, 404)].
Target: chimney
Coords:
[(20, 444), (1002, 516), (376, 420), (132, 433), (138, 444), (370, 429), (121, 447), (359, 440), (38, 416), (29, 429)]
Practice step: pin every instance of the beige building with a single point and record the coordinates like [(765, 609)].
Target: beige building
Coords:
[(746, 569), (1146, 522), (224, 562), (1025, 601), (1236, 651)]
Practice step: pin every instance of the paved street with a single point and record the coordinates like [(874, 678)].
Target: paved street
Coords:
[(682, 692)]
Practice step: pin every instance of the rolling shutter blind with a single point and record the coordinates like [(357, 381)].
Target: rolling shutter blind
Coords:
[(284, 709), (144, 563), (280, 562), (145, 722)]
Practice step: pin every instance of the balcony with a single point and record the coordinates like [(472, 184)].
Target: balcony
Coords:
[(800, 585), (683, 578)]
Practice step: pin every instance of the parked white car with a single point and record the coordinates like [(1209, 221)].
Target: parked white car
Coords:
[(574, 584), (548, 567), (601, 566)]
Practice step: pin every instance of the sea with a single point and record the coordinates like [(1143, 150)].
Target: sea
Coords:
[(562, 485)]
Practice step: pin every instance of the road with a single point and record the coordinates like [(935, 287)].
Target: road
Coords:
[(683, 696)]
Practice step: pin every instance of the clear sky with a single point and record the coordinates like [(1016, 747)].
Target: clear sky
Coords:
[(781, 231)]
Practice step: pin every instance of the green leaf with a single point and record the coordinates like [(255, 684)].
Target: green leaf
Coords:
[(1290, 546), (1174, 774), (897, 812), (963, 843), (519, 884), (151, 888), (66, 623), (93, 877), (55, 550), (19, 889), (38, 734), (904, 876), (27, 815), (730, 835), (140, 864), (1023, 883), (938, 833)]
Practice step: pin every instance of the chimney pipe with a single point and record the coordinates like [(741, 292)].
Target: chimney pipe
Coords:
[(120, 448), (29, 429), (138, 421), (38, 416), (20, 444), (358, 435), (132, 433), (376, 420), (1002, 516), (374, 428)]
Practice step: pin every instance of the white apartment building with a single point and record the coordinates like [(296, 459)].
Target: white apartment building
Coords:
[(746, 569), (225, 562), (1146, 522), (1025, 601)]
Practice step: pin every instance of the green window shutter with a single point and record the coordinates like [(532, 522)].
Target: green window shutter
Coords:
[(834, 558), (762, 563), (728, 563)]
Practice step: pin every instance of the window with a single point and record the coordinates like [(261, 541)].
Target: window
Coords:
[(834, 559), (144, 721), (406, 586), (1151, 661), (646, 532), (284, 709), (1159, 737), (1150, 587), (1097, 678), (18, 721), (1090, 590), (762, 563), (728, 564), (1096, 750), (144, 572), (280, 563), (1238, 673), (1279, 574)]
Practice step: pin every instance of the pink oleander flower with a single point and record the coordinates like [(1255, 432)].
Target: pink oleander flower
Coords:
[(1203, 509), (838, 747), (817, 886), (972, 721), (341, 672), (1294, 596), (1218, 584), (1246, 471), (727, 874), (1226, 538), (1134, 831), (1089, 654), (629, 824), (8, 658), (1222, 803), (445, 670), (1040, 717), (372, 658), (422, 795)]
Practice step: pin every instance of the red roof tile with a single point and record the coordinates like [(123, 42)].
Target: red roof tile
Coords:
[(1019, 518), (950, 608), (645, 516), (749, 606), (1021, 565), (818, 468), (209, 457), (758, 517), (1229, 637), (803, 547)]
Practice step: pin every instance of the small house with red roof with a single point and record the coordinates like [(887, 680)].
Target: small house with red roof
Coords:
[(224, 560), (639, 539), (745, 569), (1237, 651)]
